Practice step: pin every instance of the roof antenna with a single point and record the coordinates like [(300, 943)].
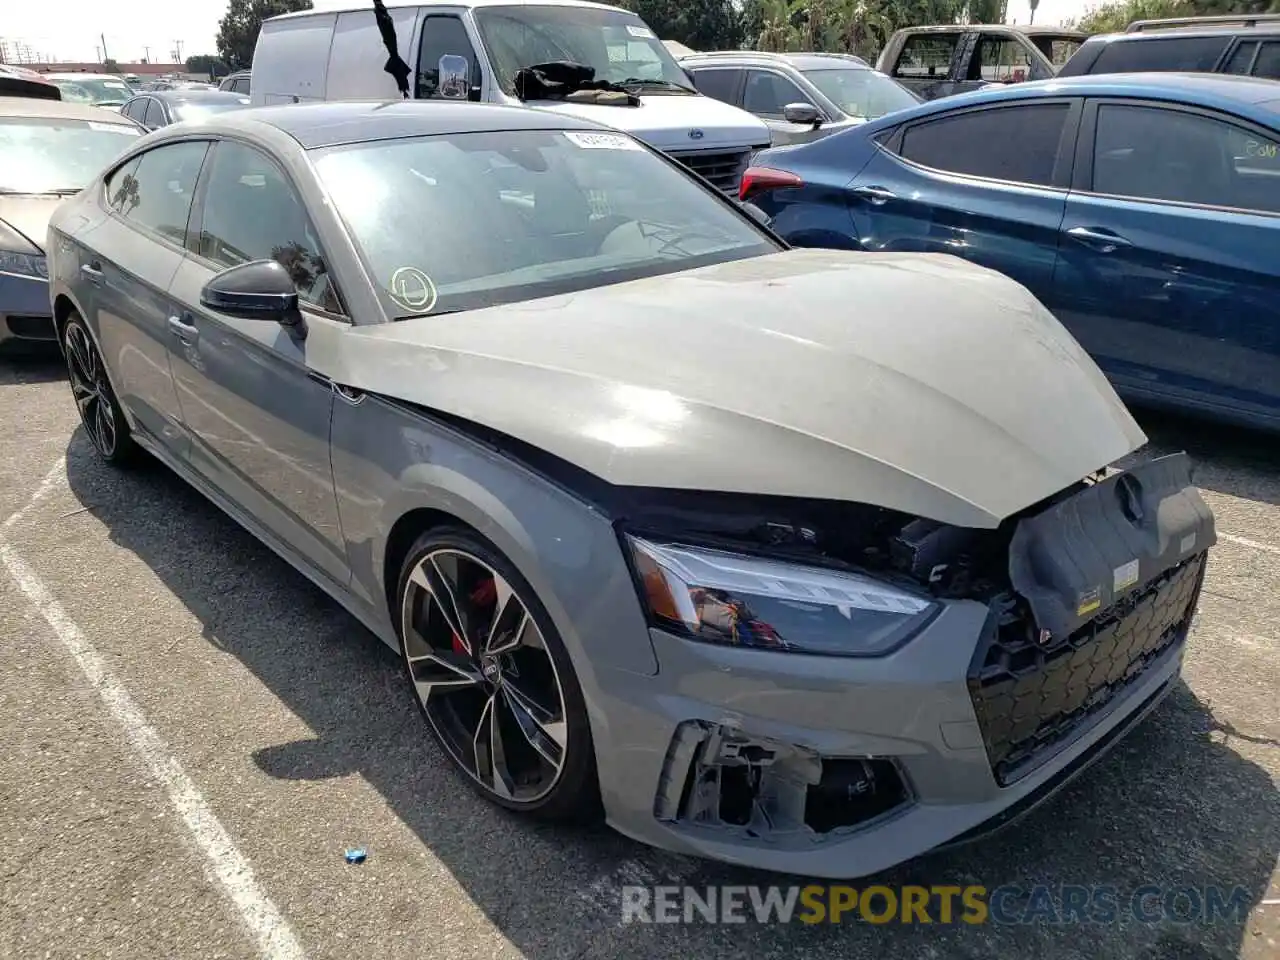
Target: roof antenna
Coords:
[(395, 65)]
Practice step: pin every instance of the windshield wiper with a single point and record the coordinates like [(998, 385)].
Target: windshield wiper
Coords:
[(665, 84)]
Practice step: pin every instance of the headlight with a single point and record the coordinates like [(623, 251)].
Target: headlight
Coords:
[(24, 265), (745, 601)]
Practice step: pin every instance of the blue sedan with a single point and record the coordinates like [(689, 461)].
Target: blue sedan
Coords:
[(1143, 210)]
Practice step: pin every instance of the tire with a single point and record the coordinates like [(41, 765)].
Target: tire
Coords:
[(100, 412), (487, 662)]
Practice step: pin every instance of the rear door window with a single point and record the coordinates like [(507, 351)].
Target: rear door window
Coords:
[(1268, 62), (1156, 153), (447, 64), (1000, 60), (154, 193), (719, 84), (1181, 54), (927, 56), (154, 117), (1241, 59), (1017, 144)]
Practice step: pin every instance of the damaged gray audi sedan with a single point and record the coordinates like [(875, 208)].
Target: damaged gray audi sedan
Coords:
[(808, 560)]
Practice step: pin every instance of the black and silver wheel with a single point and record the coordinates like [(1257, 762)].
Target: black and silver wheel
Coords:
[(99, 411), (493, 678)]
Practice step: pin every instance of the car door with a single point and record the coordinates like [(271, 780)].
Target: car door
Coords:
[(1168, 270), (765, 94), (130, 260), (258, 419), (988, 184)]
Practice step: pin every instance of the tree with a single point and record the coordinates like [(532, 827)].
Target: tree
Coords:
[(208, 64), (238, 30), (1115, 16), (699, 24)]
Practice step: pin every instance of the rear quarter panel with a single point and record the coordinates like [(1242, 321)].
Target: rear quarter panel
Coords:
[(817, 214)]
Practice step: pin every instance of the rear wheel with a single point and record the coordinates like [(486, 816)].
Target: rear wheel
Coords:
[(100, 412), (493, 679)]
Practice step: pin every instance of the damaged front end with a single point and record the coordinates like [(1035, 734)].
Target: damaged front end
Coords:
[(1087, 594)]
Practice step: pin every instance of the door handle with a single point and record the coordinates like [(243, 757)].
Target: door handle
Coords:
[(1104, 241), (877, 195), (186, 332), (92, 271)]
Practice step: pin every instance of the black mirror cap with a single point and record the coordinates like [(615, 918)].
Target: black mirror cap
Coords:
[(258, 290), (802, 113)]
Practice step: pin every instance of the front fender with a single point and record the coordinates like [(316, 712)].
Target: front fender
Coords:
[(390, 460)]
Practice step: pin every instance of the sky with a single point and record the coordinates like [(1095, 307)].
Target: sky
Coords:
[(72, 29)]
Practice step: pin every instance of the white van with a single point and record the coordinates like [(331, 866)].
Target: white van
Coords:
[(339, 54)]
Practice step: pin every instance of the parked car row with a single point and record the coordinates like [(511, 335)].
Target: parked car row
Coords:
[(605, 458)]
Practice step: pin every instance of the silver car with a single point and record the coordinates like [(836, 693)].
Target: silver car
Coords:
[(801, 96), (48, 150), (803, 559)]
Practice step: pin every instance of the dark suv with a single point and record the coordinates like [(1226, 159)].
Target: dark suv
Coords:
[(1240, 44)]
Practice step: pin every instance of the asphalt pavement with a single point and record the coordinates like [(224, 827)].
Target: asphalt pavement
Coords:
[(194, 735)]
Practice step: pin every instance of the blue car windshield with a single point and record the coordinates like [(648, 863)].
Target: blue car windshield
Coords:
[(471, 220)]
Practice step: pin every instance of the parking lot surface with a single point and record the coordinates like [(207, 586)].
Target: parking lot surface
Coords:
[(195, 734)]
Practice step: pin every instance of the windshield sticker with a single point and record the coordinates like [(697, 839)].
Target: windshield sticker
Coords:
[(114, 128), (413, 289), (114, 85), (601, 141), (644, 32)]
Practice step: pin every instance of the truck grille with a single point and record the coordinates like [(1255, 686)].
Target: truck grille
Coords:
[(1031, 697), (723, 170)]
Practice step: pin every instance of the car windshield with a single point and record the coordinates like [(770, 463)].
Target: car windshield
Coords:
[(102, 93), (472, 220), (57, 155), (617, 45), (200, 109), (861, 92)]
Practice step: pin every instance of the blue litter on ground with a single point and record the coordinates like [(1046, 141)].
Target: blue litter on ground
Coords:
[(357, 855)]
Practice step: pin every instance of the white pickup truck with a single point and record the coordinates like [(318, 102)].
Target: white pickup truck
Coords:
[(490, 51)]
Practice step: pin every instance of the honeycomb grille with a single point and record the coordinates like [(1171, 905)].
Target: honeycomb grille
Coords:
[(1030, 697)]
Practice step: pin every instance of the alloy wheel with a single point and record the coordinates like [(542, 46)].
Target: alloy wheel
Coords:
[(92, 391), (484, 676)]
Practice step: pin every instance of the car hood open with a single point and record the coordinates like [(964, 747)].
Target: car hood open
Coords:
[(916, 382)]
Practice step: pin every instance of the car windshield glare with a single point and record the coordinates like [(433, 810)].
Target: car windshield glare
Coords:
[(617, 45), (46, 156), (204, 108), (102, 92), (463, 221), (860, 92)]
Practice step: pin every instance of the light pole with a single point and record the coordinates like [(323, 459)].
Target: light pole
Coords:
[(1034, 4)]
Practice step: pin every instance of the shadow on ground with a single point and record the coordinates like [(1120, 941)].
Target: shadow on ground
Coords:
[(42, 366), (1171, 806)]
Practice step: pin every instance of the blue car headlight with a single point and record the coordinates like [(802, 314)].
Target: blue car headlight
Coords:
[(729, 598), (24, 265)]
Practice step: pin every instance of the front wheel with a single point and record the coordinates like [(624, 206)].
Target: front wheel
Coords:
[(100, 412), (493, 678)]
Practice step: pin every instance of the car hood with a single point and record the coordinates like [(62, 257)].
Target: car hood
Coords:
[(29, 216), (916, 382), (670, 122)]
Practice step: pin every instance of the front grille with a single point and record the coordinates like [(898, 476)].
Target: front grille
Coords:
[(31, 328), (723, 170), (1032, 697)]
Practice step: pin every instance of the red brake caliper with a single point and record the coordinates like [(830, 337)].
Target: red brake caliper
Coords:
[(483, 595)]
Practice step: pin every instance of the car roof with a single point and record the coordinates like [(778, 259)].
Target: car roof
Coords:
[(60, 110), (1249, 95), (1181, 33), (85, 76), (1030, 31), (199, 95), (801, 61), (351, 6), (316, 125)]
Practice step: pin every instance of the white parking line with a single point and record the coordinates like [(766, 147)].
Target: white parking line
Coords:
[(223, 861), (1245, 542)]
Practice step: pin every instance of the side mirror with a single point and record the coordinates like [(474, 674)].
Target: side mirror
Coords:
[(756, 214), (259, 290), (802, 113)]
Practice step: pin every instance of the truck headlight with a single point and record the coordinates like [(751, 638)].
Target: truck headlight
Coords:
[(728, 598), (24, 265)]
